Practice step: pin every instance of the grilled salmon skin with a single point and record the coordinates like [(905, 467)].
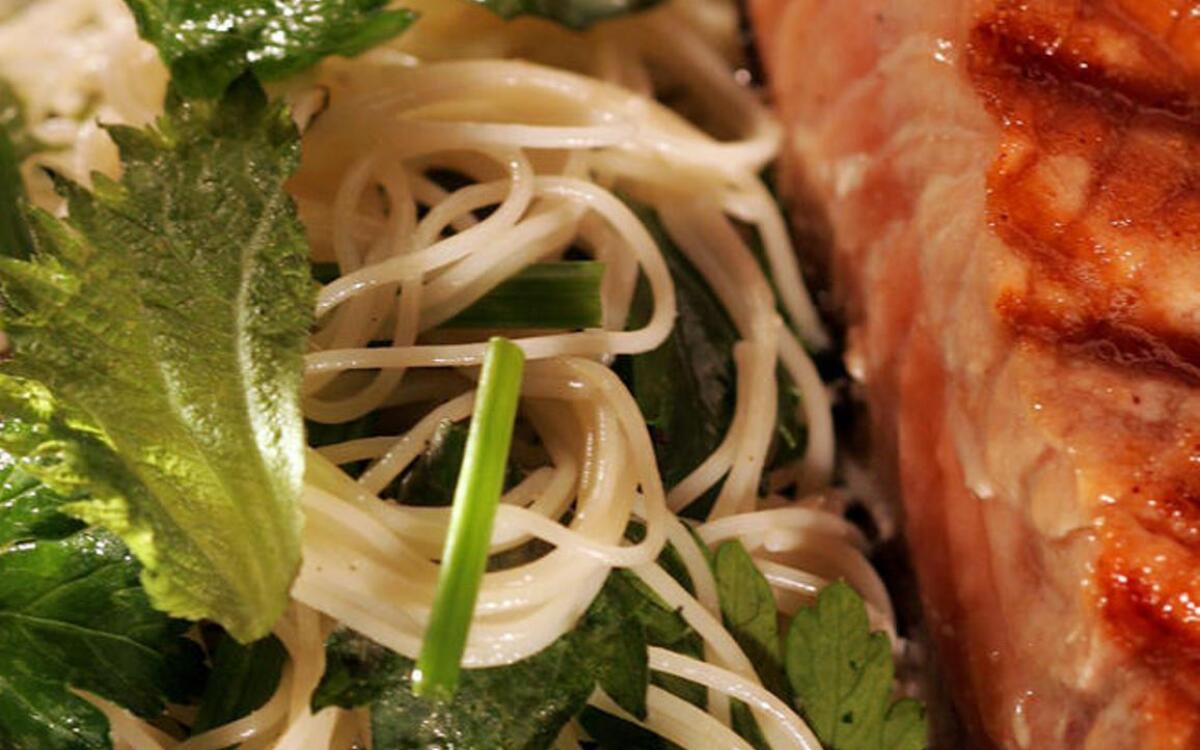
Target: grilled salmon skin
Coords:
[(1014, 188)]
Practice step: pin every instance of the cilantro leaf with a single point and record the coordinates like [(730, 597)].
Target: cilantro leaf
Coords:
[(72, 614), (209, 43), (157, 337), (842, 674), (522, 705), (749, 610), (576, 14)]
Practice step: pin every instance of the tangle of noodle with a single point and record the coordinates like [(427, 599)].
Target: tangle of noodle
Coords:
[(545, 143)]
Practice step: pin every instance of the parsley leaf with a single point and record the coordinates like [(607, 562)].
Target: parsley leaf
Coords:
[(72, 614), (209, 43), (576, 14), (842, 674), (157, 337)]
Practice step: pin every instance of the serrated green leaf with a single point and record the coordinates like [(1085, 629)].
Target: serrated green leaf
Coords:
[(209, 43), (166, 319), (72, 614), (575, 14), (842, 675), (30, 509)]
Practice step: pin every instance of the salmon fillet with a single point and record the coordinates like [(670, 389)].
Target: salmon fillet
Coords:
[(1014, 189)]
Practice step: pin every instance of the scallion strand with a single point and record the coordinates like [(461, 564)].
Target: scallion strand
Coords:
[(476, 496)]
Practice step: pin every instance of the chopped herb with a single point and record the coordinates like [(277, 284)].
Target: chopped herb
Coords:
[(842, 675), (565, 294), (476, 496), (209, 43), (575, 14), (157, 337)]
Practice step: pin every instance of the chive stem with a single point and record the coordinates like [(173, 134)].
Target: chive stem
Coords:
[(476, 496), (559, 294)]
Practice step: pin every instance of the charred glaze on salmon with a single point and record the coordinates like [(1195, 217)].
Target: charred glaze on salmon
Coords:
[(1015, 192)]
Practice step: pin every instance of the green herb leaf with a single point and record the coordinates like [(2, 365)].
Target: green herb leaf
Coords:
[(565, 294), (14, 233), (749, 611), (615, 643), (30, 509), (431, 479), (742, 721), (523, 705), (685, 387), (842, 675), (16, 144), (73, 615), (167, 318), (473, 512), (576, 14), (243, 678), (14, 124), (209, 43), (612, 733), (791, 433)]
